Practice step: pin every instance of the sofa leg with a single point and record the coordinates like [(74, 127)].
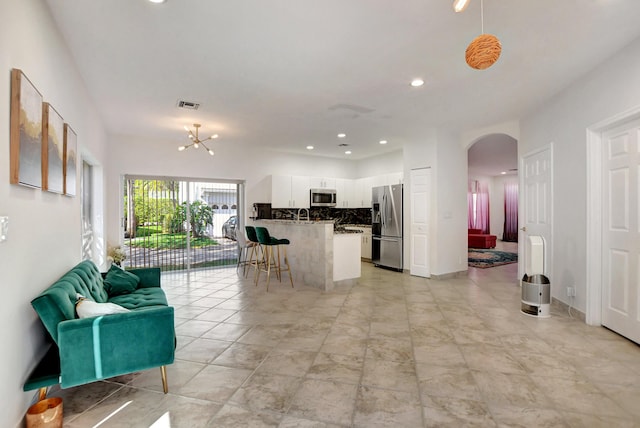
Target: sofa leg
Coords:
[(42, 393), (165, 386)]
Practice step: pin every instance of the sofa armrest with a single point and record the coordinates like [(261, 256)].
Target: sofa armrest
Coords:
[(149, 277), (102, 347)]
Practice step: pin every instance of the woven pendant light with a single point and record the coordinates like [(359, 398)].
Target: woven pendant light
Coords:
[(483, 51)]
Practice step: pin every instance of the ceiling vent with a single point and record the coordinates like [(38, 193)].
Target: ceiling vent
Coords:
[(188, 105)]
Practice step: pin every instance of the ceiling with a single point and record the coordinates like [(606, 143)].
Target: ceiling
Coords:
[(493, 155), (285, 74)]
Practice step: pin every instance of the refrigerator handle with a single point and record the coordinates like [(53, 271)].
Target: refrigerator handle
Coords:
[(384, 208)]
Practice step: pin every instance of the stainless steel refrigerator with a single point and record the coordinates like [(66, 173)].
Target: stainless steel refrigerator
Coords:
[(386, 226)]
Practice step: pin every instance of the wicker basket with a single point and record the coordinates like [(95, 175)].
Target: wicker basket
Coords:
[(483, 51)]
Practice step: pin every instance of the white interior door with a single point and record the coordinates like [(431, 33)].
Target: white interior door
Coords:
[(537, 177), (420, 205), (621, 230)]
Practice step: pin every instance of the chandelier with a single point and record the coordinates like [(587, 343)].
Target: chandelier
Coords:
[(196, 141)]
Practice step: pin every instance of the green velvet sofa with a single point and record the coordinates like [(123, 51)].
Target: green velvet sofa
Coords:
[(85, 350)]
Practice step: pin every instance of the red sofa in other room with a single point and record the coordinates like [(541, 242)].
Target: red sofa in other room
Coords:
[(477, 239)]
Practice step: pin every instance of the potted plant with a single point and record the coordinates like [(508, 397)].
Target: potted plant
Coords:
[(116, 255)]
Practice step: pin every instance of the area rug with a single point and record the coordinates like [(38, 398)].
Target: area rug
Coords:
[(490, 258)]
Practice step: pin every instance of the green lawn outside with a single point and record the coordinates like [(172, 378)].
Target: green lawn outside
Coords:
[(170, 241)]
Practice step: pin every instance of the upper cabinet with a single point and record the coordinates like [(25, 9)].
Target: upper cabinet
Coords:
[(386, 179), (322, 183), (293, 191), (345, 193), (289, 191), (362, 193)]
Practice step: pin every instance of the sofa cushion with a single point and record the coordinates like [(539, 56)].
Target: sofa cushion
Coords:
[(119, 281), (141, 298)]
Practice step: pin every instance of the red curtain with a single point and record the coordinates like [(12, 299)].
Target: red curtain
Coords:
[(510, 233)]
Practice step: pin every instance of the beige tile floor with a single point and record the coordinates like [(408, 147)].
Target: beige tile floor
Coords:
[(389, 350)]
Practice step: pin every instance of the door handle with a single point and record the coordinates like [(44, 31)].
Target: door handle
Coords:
[(523, 228)]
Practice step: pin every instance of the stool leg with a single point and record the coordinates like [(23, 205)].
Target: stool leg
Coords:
[(278, 270), (259, 259), (286, 262), (251, 262), (269, 257)]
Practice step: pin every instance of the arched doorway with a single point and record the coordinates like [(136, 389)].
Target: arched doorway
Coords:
[(492, 162)]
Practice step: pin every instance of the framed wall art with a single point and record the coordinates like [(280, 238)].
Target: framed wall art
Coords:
[(26, 132), (52, 150), (70, 160)]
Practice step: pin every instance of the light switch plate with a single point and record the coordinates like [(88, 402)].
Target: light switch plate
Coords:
[(4, 228)]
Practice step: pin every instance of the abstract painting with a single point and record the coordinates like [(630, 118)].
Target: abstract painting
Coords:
[(52, 150), (26, 132), (70, 160)]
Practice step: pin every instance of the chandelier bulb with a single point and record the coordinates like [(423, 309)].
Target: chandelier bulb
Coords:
[(196, 145), (186, 128), (211, 152), (214, 136), (181, 148)]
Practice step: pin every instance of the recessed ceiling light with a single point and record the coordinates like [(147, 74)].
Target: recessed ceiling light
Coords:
[(504, 173), (309, 147), (348, 152), (341, 135), (417, 83), (383, 141), (157, 1)]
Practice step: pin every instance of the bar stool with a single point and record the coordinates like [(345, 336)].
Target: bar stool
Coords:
[(243, 250), (268, 242), (254, 256)]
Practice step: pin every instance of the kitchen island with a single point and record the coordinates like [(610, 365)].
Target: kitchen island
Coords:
[(317, 254)]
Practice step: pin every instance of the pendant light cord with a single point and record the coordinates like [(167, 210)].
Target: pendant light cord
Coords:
[(482, 16)]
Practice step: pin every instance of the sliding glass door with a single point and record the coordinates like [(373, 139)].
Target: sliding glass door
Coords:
[(178, 224)]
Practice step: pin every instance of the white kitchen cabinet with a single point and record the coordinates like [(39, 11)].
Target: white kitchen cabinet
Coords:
[(365, 241), (300, 197), (322, 183), (387, 179), (345, 193), (346, 263), (289, 191), (362, 192)]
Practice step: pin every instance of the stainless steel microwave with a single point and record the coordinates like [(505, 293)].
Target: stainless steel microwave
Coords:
[(323, 197)]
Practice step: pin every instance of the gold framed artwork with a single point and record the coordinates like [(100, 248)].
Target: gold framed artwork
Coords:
[(70, 160), (52, 150), (26, 132)]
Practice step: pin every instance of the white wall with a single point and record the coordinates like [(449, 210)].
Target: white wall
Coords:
[(383, 164), (232, 161), (44, 228), (612, 88), (450, 221)]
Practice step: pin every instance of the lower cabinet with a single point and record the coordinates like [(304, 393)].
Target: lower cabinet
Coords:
[(365, 241)]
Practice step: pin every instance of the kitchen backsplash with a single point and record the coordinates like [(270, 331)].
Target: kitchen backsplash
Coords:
[(341, 216)]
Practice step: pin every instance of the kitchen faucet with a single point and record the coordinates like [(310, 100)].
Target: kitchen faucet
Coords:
[(306, 209)]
